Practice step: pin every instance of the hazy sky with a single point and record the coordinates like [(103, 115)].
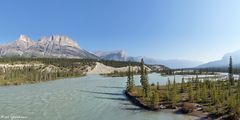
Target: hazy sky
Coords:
[(200, 30)]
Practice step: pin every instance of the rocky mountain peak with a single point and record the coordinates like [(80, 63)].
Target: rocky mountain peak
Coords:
[(56, 46), (59, 40), (24, 38), (23, 42)]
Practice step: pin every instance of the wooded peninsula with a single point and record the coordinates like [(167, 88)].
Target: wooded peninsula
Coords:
[(202, 97)]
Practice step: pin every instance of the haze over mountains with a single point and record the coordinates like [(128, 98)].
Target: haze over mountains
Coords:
[(120, 55), (224, 62)]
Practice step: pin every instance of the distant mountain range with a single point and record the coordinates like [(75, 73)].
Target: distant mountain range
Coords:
[(224, 62), (64, 47), (52, 46), (120, 55)]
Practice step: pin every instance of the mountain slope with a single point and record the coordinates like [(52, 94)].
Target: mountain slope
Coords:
[(224, 61), (53, 46)]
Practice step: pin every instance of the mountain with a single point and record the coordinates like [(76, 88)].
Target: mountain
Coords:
[(172, 63), (53, 46), (120, 55), (224, 61)]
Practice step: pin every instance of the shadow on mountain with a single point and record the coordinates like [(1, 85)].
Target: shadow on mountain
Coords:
[(102, 93), (111, 98)]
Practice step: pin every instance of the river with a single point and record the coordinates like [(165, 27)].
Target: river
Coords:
[(92, 97)]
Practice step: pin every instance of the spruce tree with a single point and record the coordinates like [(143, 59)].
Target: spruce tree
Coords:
[(132, 84), (130, 81), (238, 89), (190, 93), (230, 72), (142, 77), (204, 92), (168, 84), (182, 85), (158, 86), (154, 99), (174, 93), (146, 86)]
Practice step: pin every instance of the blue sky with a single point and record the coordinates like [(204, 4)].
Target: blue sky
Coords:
[(201, 30)]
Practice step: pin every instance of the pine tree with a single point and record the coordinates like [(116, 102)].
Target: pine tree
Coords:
[(213, 91), (238, 89), (130, 80), (132, 84), (146, 86), (158, 86), (230, 72), (168, 90), (197, 86), (168, 84), (154, 99), (174, 93), (190, 93), (182, 85), (204, 93), (142, 77)]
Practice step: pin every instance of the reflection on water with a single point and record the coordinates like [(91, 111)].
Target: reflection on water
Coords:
[(88, 98)]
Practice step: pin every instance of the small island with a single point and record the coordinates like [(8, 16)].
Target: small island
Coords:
[(201, 97)]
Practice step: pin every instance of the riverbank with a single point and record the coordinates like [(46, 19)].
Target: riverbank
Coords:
[(28, 71), (166, 107), (102, 69), (24, 81)]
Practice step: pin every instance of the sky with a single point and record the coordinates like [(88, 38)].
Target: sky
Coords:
[(199, 30)]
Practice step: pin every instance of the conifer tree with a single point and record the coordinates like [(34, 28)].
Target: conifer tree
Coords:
[(230, 72), (154, 99), (158, 86), (174, 93), (190, 93), (204, 92), (182, 85), (146, 86), (168, 84), (130, 80), (238, 89), (142, 77)]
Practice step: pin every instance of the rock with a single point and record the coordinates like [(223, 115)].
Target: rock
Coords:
[(53, 46)]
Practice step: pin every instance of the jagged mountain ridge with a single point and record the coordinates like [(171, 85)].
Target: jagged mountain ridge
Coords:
[(54, 46)]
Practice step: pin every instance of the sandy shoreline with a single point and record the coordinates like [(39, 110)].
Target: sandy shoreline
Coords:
[(100, 68)]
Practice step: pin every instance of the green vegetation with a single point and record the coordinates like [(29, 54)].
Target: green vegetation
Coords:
[(230, 72), (16, 71), (119, 74), (118, 64), (216, 97), (130, 80)]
